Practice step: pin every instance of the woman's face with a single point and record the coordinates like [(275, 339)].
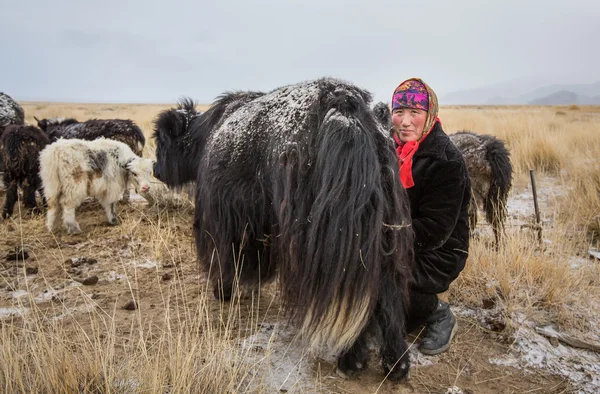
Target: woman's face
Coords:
[(409, 123)]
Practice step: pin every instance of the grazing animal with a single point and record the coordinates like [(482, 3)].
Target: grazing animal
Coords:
[(383, 113), (10, 111), (20, 147), (177, 131), (122, 130), (302, 182), (490, 169), (73, 169)]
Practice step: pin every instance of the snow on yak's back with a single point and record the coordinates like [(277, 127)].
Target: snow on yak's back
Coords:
[(305, 182)]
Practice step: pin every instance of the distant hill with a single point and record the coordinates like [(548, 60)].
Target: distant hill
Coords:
[(492, 94), (565, 97), (526, 93)]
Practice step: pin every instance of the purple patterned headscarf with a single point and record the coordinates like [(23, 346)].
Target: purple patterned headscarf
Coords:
[(415, 93), (411, 94)]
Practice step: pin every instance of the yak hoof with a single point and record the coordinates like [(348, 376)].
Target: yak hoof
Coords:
[(5, 214), (397, 371), (222, 294), (35, 211), (113, 221), (72, 228), (351, 364)]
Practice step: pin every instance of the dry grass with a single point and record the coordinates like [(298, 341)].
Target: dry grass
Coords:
[(581, 205), (186, 352), (177, 340), (521, 278), (181, 340), (538, 137)]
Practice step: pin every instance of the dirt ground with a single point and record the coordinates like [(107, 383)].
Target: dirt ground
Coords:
[(150, 258)]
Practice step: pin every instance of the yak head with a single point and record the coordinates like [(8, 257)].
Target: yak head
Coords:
[(383, 115), (140, 171), (52, 126), (174, 151)]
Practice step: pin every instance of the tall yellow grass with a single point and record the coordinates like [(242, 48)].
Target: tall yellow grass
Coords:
[(545, 139), (192, 348)]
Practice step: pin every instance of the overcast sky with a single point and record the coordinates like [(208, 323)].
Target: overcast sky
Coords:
[(157, 51)]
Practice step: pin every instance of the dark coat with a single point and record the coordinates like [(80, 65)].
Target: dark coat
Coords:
[(439, 203)]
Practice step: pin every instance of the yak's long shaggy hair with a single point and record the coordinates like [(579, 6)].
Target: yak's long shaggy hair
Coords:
[(20, 146), (303, 182), (383, 113), (490, 170), (10, 111), (123, 130)]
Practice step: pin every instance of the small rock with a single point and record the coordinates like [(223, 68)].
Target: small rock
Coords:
[(19, 253), (31, 270), (488, 303), (74, 262), (92, 280), (554, 342), (167, 276), (57, 298), (74, 271), (77, 261), (95, 296), (130, 306)]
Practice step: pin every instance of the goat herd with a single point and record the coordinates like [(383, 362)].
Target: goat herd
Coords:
[(301, 181)]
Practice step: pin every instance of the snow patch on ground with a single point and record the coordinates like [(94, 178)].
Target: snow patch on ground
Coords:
[(111, 276), (12, 312), (146, 264), (73, 311), (531, 350), (18, 294), (286, 363)]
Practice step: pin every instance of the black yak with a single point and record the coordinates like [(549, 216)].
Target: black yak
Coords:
[(20, 146), (176, 131), (302, 182), (383, 113), (10, 111), (122, 130), (490, 169)]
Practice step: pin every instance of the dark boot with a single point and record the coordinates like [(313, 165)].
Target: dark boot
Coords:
[(441, 327)]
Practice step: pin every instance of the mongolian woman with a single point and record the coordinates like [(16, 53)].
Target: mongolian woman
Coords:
[(433, 171)]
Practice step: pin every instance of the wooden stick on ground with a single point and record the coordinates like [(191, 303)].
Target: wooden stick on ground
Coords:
[(550, 332)]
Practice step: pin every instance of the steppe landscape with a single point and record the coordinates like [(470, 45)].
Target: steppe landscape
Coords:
[(125, 309)]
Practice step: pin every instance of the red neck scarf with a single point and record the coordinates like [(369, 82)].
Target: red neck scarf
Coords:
[(405, 153)]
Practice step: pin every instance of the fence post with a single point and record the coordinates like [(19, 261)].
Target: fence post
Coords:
[(538, 220)]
